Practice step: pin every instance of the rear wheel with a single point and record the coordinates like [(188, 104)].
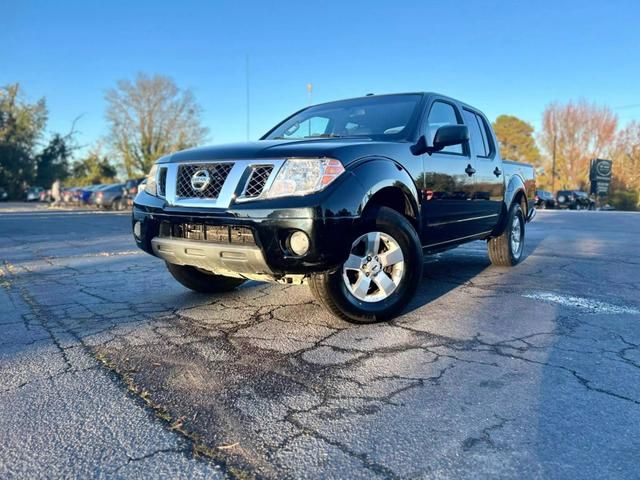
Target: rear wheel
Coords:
[(506, 250), (118, 204), (202, 281), (381, 274)]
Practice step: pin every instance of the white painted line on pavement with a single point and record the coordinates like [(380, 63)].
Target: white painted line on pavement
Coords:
[(581, 303)]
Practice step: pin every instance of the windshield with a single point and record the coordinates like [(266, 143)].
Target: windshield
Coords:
[(380, 118)]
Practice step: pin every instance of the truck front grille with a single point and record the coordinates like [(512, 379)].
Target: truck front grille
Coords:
[(201, 180), (257, 180), (216, 183)]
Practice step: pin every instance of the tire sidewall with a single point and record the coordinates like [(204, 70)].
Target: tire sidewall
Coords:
[(516, 211), (393, 224)]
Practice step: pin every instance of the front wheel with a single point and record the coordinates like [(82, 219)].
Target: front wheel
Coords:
[(380, 275), (201, 281), (506, 250)]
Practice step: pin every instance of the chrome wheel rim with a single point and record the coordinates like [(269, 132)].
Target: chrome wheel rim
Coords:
[(375, 267), (516, 236)]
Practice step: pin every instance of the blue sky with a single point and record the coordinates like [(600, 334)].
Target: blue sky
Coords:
[(500, 56)]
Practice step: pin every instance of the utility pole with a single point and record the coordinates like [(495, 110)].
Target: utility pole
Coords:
[(310, 93), (310, 100), (553, 166), (247, 93)]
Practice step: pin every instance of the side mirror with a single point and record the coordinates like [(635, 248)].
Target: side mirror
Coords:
[(448, 135), (445, 136), (420, 146)]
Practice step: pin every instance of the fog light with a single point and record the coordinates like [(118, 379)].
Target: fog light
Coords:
[(137, 230), (299, 243)]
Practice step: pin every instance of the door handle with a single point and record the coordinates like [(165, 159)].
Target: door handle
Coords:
[(497, 172), (470, 170)]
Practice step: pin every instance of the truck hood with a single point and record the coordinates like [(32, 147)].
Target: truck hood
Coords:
[(346, 150)]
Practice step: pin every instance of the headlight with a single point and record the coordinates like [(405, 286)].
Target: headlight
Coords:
[(152, 186), (302, 176)]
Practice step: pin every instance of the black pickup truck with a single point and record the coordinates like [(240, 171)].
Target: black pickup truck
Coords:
[(346, 196)]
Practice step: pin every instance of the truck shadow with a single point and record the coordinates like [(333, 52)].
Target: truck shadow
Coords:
[(443, 272)]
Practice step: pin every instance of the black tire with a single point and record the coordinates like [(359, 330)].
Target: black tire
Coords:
[(202, 282), (501, 251), (331, 290)]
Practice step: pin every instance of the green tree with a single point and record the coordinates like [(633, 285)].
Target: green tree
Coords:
[(516, 140), (149, 118), (93, 169), (53, 162), (21, 126)]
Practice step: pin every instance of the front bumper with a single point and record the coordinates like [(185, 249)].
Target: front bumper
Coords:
[(228, 260), (267, 257)]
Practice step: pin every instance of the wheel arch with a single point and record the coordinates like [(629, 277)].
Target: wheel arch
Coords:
[(389, 185), (515, 193)]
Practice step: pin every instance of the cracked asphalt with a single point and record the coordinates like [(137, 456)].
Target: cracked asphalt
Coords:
[(109, 368)]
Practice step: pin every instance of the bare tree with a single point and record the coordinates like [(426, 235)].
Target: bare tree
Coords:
[(571, 136), (626, 157), (151, 118)]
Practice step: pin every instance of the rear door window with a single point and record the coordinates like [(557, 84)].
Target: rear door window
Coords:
[(486, 135), (475, 133)]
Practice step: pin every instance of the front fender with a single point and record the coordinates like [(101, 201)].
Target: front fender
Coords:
[(378, 174)]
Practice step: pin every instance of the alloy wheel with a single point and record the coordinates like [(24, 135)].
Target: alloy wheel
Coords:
[(516, 235), (375, 267)]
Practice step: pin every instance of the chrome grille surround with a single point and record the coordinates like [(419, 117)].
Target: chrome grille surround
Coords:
[(162, 182), (235, 181)]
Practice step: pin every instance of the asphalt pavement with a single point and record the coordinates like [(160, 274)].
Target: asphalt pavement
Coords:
[(109, 368)]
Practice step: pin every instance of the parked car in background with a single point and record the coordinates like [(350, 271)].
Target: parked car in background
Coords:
[(111, 197), (544, 199), (131, 187), (85, 196), (45, 195), (32, 194), (574, 200), (71, 195), (4, 196)]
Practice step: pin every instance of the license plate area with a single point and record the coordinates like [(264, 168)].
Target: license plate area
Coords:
[(224, 234)]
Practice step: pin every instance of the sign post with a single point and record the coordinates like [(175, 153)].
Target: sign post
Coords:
[(600, 176)]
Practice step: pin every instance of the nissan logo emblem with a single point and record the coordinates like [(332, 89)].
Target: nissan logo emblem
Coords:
[(200, 180)]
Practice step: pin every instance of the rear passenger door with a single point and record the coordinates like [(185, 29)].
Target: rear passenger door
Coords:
[(447, 184), (488, 192)]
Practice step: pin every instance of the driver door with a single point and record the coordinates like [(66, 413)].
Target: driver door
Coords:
[(448, 182)]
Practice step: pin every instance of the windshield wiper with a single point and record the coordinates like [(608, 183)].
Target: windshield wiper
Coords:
[(332, 135), (322, 135)]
